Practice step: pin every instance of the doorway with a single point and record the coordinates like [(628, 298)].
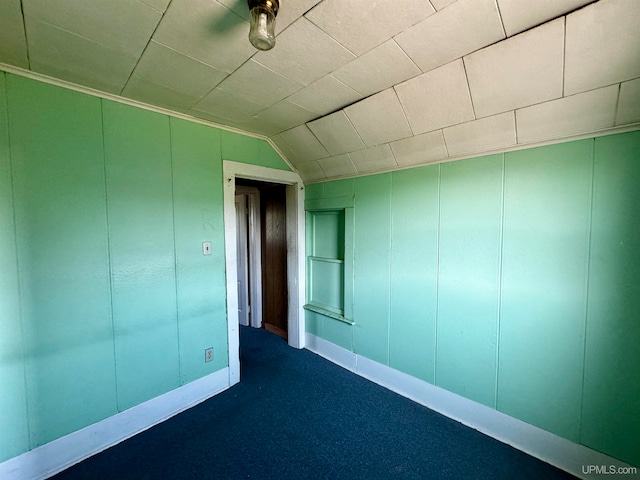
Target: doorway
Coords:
[(261, 245), (288, 190)]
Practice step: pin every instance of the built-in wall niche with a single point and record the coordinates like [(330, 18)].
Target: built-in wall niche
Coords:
[(330, 257)]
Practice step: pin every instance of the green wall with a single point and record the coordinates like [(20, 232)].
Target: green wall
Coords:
[(106, 300), (511, 280)]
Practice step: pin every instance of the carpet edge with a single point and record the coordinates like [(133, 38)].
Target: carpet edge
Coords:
[(60, 454), (541, 444)]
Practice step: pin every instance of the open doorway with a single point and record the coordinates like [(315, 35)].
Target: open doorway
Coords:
[(261, 244), (287, 186)]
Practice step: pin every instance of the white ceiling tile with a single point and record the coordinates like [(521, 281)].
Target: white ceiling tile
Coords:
[(361, 25), (240, 7), (603, 45), (163, 66), (583, 113), (303, 144), (439, 98), (225, 105), (124, 25), (338, 166), (206, 31), (310, 171), (284, 147), (258, 126), (13, 44), (521, 15), (211, 117), (146, 91), (440, 4), (160, 5), (420, 149), (284, 115), (336, 133), (629, 103), (224, 122), (520, 71), (490, 133), (462, 28), (67, 56), (305, 53), (380, 68), (373, 159), (325, 96), (290, 11), (379, 118), (271, 87)]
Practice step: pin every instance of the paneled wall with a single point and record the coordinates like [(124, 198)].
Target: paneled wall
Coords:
[(106, 300), (511, 280)]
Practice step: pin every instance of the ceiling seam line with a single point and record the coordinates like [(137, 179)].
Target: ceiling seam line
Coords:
[(145, 48), (564, 55), (504, 30), (317, 139), (355, 130), (393, 39), (466, 76), (169, 47), (444, 142), (151, 6), (549, 20), (413, 134), (615, 112), (26, 38)]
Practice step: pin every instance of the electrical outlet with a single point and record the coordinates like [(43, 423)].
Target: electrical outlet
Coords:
[(208, 354)]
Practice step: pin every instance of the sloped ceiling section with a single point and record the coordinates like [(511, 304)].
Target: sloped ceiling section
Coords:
[(353, 86)]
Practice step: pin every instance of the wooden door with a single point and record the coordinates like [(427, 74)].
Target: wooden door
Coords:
[(274, 259)]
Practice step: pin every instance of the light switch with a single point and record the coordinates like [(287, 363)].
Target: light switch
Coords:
[(206, 248)]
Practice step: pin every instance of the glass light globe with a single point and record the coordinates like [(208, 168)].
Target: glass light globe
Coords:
[(262, 27)]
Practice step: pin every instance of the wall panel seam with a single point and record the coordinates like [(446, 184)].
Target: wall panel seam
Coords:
[(175, 252), (15, 246), (437, 292), (390, 266), (109, 258), (587, 283), (499, 300)]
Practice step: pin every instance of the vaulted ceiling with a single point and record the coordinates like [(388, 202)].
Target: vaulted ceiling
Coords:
[(352, 86)]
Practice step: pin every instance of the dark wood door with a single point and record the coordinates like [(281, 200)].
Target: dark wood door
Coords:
[(274, 259)]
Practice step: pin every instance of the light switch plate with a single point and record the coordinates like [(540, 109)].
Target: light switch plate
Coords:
[(206, 248)]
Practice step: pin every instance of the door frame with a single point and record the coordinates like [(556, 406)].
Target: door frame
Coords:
[(296, 267)]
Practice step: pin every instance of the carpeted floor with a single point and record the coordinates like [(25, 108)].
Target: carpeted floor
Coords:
[(295, 415)]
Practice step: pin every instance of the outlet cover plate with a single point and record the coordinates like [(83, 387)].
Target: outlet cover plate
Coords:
[(208, 355)]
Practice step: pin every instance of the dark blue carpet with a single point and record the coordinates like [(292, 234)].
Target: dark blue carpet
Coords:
[(295, 415)]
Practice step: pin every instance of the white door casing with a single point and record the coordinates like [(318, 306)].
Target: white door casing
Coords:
[(295, 225)]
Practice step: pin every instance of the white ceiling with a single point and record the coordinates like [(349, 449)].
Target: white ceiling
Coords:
[(352, 86)]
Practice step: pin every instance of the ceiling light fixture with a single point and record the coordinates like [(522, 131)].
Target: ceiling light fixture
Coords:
[(263, 23)]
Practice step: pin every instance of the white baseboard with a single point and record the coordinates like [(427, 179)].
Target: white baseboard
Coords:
[(548, 447), (55, 456)]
